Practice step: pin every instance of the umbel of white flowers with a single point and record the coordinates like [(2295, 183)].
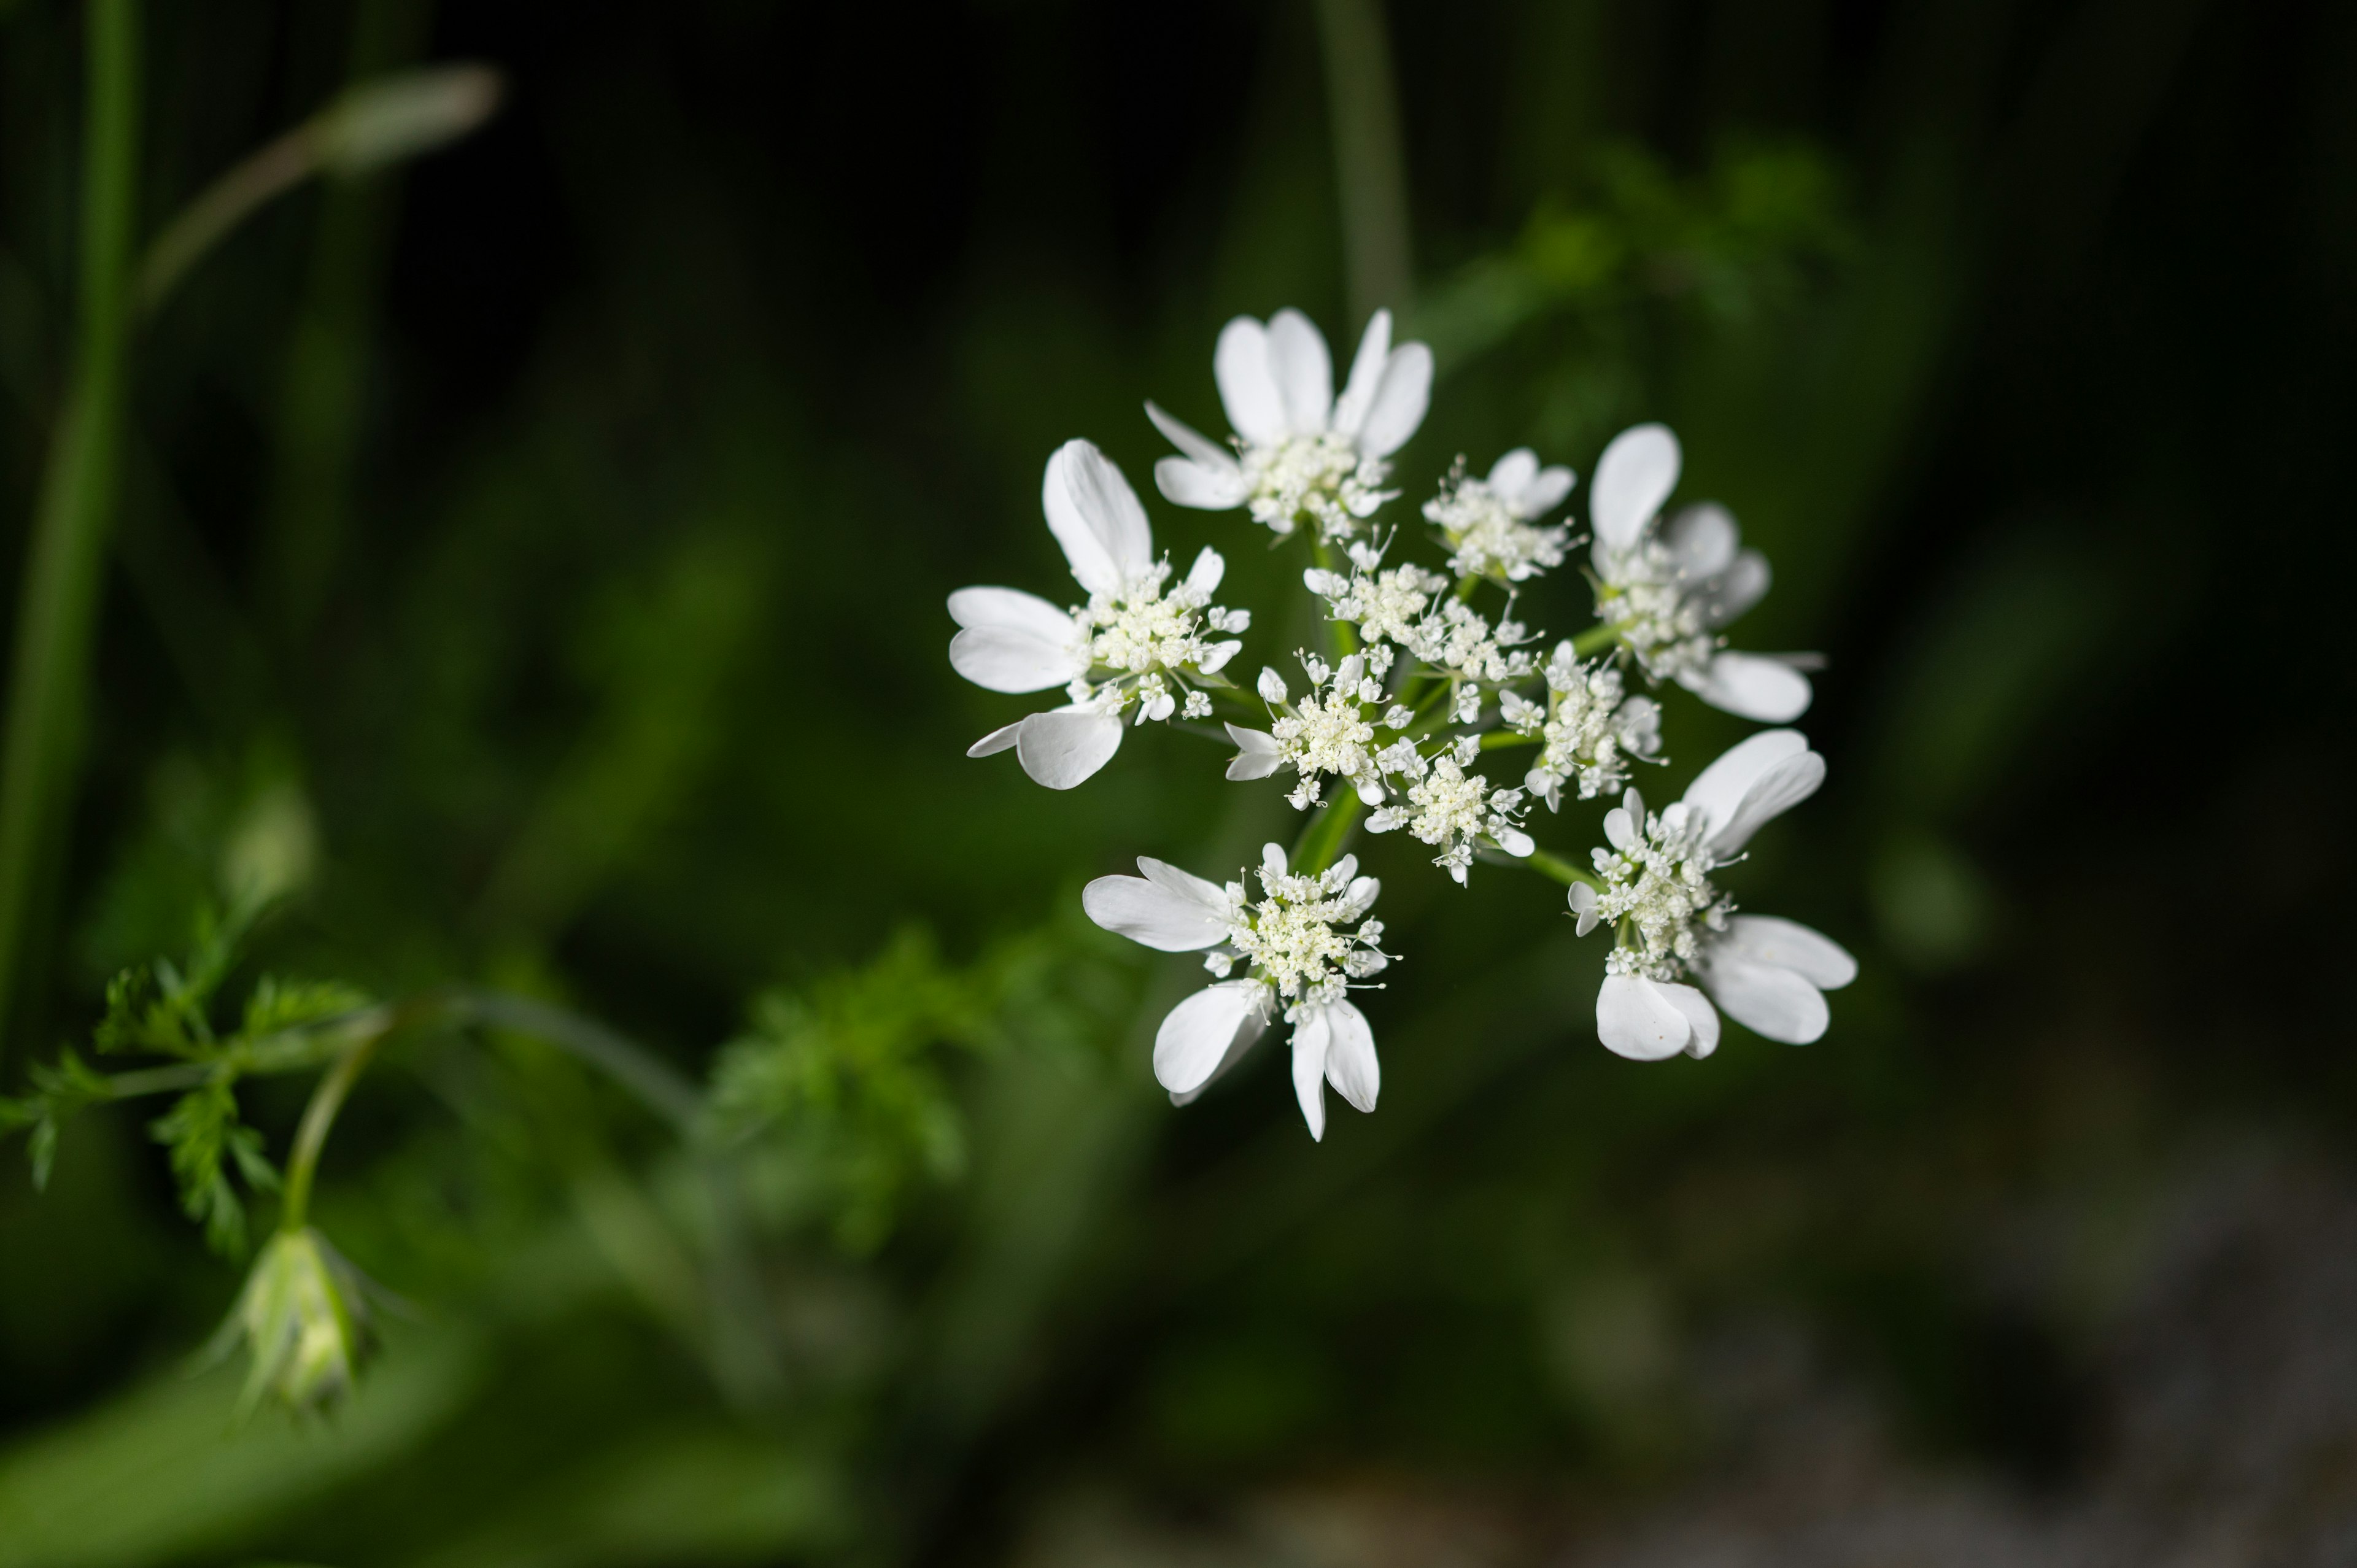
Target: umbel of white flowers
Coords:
[(1397, 719), (1137, 645), (1653, 887), (1301, 454), (1666, 589), (1302, 943)]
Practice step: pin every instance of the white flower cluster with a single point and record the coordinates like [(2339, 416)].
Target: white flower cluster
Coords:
[(1486, 523), (1588, 730), (1394, 721), (1301, 956)]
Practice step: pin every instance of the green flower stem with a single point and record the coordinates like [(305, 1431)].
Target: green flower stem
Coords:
[(1500, 739), (1320, 844), (1370, 168), (658, 1086), (1557, 869), (1345, 634), (1595, 639), (319, 1115), (79, 491)]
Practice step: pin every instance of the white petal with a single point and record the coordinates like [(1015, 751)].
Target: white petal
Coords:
[(1203, 576), (1743, 585), (1195, 1038), (1305, 372), (1774, 792), (1751, 687), (1095, 516), (1154, 915), (1247, 381), (1064, 747), (1514, 841), (1701, 1017), (1632, 479), (1814, 956), (1582, 899), (1366, 374), (996, 741), (1401, 398), (1271, 859), (1311, 1035), (1703, 539), (1206, 487), (1013, 641), (1512, 473), (1545, 493), (1257, 752), (1271, 685), (1635, 1020), (1190, 440), (1350, 1065), (1621, 832), (1238, 1049), (1770, 999), (1215, 657), (1719, 789)]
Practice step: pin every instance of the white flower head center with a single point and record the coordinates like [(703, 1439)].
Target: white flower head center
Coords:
[(1485, 535), (1641, 594), (1139, 635), (1331, 730), (1296, 935), (1656, 877), (1588, 731), (1323, 478)]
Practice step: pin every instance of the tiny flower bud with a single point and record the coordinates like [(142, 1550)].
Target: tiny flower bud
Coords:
[(304, 1321)]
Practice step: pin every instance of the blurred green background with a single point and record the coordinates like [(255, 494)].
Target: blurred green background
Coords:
[(563, 525)]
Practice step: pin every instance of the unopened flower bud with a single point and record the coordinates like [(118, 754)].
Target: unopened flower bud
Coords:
[(304, 1321)]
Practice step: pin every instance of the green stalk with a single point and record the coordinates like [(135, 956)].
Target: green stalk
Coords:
[(1321, 841), (1557, 869), (1595, 639), (318, 1116), (1370, 170), (80, 489)]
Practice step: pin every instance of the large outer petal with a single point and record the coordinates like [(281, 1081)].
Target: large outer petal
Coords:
[(1205, 487), (1703, 539), (1767, 998), (1719, 788), (1194, 1040), (1248, 388), (1013, 641), (1312, 1036), (1096, 517), (1743, 585), (1701, 1017), (1065, 747), (1750, 686), (1401, 396), (1366, 374), (1003, 738), (1632, 479), (1635, 1020), (1304, 370), (1811, 954), (1350, 1064), (1257, 752), (1774, 792), (1153, 916)]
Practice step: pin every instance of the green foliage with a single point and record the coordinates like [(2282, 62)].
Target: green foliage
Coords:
[(839, 1093), (204, 1136)]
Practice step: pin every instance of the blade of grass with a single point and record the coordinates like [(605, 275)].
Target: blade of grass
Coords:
[(79, 491)]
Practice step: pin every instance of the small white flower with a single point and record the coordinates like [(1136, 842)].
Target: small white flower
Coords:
[(1588, 730), (1674, 925), (1491, 525), (1329, 732), (1455, 812), (1301, 956), (1666, 589), (1301, 452), (1131, 643)]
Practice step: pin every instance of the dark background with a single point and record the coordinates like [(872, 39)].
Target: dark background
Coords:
[(571, 516)]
